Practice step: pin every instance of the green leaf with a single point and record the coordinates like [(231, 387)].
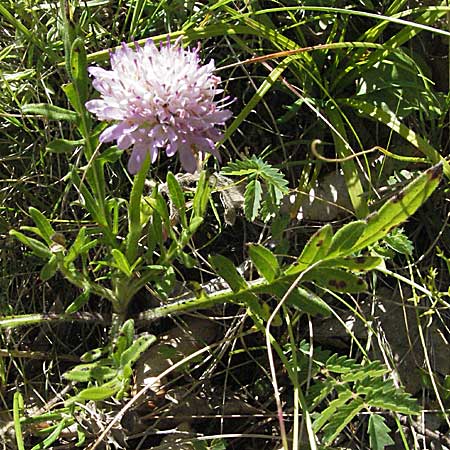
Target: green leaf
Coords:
[(134, 213), (399, 242), (345, 238), (50, 112), (343, 151), (139, 346), (341, 418), (43, 224), (96, 393), (379, 433), (158, 203), (177, 197), (336, 280), (252, 199), (79, 302), (49, 269), (194, 225), (18, 410), (335, 405), (121, 262), (201, 196), (78, 69), (315, 250), (397, 209), (226, 269), (92, 355), (37, 247), (83, 373), (63, 145), (265, 261), (354, 263), (52, 437), (88, 199), (300, 298), (76, 247)]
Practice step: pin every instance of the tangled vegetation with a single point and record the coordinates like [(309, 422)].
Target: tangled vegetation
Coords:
[(290, 291)]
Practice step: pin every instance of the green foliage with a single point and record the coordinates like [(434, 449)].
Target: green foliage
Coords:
[(353, 387), (379, 433), (265, 187), (353, 77), (109, 376)]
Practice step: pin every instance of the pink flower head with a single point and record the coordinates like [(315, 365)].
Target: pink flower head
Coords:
[(159, 98)]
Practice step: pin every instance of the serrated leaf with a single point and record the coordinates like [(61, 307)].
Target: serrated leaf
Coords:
[(369, 371), (252, 199), (341, 364), (400, 207), (393, 399), (133, 353), (265, 261), (345, 238), (315, 250), (335, 405), (341, 418), (226, 269), (336, 280), (379, 433)]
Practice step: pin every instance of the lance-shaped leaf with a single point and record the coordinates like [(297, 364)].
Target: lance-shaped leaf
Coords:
[(354, 263), (315, 250), (201, 196), (121, 262), (50, 112), (345, 238), (252, 199), (38, 248), (397, 209), (78, 69), (139, 346), (226, 269), (300, 298), (177, 197), (63, 145), (336, 280), (96, 393), (265, 261), (134, 212), (43, 224)]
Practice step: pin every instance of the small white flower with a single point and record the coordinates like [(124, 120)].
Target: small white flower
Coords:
[(159, 98)]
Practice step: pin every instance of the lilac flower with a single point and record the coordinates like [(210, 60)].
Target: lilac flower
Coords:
[(159, 98)]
